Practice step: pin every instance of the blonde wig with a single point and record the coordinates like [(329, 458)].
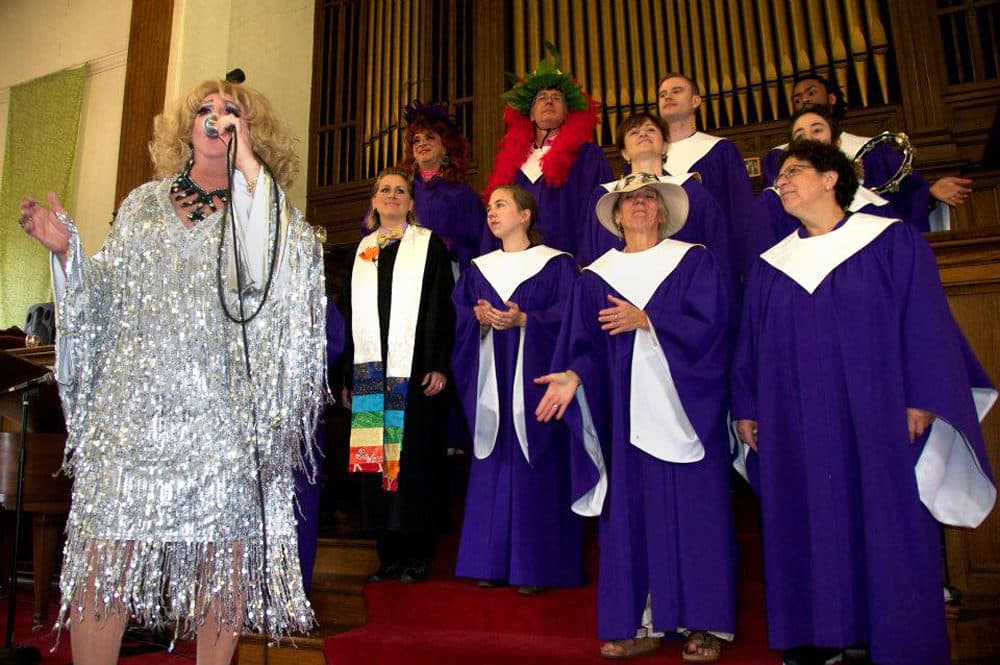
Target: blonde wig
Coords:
[(170, 148)]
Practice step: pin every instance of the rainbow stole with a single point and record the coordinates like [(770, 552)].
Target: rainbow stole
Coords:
[(378, 404)]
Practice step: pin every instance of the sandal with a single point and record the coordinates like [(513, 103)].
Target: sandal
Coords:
[(620, 649), (701, 647)]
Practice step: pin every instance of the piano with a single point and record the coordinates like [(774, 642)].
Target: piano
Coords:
[(46, 495)]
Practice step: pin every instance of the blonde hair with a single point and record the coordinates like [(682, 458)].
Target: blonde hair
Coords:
[(170, 148), (372, 221)]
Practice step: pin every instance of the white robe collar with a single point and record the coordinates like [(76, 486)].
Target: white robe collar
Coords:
[(682, 155), (864, 197), (808, 261), (532, 167), (637, 275), (851, 143), (505, 271)]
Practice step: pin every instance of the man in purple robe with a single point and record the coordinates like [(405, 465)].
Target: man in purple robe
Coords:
[(548, 149), (858, 400), (640, 375), (717, 161)]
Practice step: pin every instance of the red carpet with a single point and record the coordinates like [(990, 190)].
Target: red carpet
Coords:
[(448, 621), (138, 647)]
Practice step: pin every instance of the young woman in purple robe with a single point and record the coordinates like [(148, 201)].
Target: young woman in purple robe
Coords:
[(858, 400), (643, 352), (518, 526)]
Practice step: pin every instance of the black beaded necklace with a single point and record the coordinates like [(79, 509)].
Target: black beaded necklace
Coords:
[(185, 187)]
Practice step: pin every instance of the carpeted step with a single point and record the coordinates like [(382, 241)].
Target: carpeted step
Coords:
[(384, 644), (460, 604)]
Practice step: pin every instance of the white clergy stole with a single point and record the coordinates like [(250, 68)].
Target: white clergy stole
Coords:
[(658, 423), (505, 271), (682, 155), (532, 167), (807, 261), (407, 283)]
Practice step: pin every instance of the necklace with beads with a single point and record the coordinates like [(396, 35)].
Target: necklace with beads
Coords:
[(184, 187)]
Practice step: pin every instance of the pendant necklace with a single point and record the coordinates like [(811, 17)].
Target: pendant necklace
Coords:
[(184, 186)]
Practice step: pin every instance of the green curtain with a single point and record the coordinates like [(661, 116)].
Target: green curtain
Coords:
[(42, 125)]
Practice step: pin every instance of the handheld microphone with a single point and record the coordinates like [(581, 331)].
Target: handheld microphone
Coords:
[(211, 125)]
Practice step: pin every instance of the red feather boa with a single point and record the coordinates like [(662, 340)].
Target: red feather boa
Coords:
[(516, 145)]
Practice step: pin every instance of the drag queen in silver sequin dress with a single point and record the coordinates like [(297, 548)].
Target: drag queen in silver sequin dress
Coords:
[(166, 424)]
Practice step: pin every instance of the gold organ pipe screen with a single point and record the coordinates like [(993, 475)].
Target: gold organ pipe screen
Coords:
[(743, 53)]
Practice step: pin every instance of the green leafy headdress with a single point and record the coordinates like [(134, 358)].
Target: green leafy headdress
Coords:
[(547, 75)]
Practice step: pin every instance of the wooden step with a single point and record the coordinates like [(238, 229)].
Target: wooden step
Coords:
[(337, 599), (300, 651), (345, 556)]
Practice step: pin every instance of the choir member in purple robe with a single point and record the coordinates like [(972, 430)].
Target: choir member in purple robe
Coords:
[(915, 197), (640, 375), (769, 222), (548, 148), (518, 526), (439, 156), (858, 400), (717, 161), (307, 486)]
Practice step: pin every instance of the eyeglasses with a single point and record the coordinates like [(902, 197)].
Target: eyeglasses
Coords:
[(792, 171), (553, 97)]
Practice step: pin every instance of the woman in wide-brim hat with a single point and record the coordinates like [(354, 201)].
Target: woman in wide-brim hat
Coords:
[(644, 353)]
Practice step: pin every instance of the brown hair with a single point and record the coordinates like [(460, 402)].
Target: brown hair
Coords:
[(170, 148), (458, 153), (636, 120), (524, 200), (678, 75)]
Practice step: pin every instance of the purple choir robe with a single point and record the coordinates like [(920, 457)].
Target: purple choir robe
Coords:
[(665, 527), (912, 203), (307, 494), (723, 172), (838, 338), (561, 210), (518, 525), (769, 223), (453, 211)]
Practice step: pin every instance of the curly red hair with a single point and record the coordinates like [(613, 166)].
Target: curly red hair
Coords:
[(456, 147)]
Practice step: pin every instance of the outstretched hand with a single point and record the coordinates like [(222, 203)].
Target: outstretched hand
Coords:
[(43, 225), (560, 392)]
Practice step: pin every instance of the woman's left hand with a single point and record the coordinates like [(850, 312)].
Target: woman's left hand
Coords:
[(917, 421), (500, 319), (246, 160), (622, 317), (433, 383)]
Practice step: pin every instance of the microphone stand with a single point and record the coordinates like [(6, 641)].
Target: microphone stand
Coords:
[(10, 655)]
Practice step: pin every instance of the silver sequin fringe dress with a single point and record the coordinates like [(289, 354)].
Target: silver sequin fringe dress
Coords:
[(163, 423)]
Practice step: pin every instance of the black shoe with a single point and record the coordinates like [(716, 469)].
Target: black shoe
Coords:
[(529, 590), (490, 584), (391, 571), (414, 573)]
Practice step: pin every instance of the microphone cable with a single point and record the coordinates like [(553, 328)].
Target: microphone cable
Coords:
[(229, 215)]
